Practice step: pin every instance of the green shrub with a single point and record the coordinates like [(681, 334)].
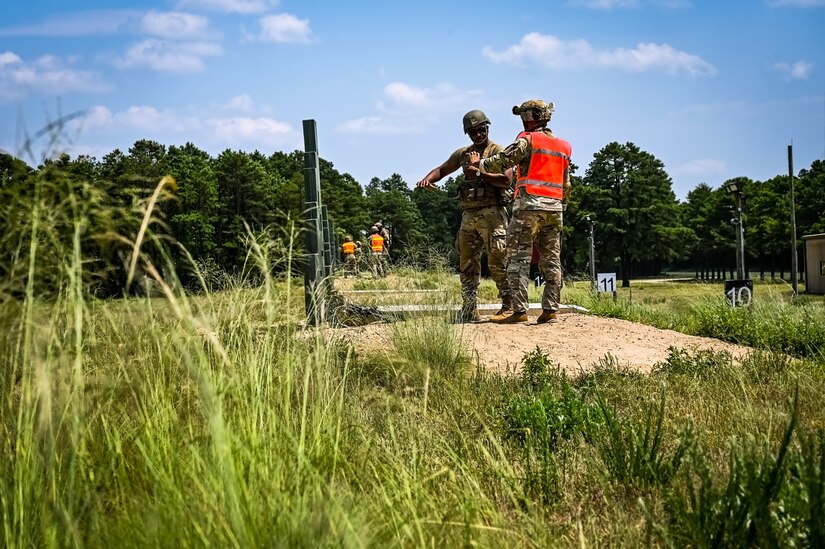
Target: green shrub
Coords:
[(545, 418), (547, 411), (703, 363), (637, 452), (764, 499)]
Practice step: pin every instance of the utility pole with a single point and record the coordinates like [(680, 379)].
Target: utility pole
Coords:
[(592, 255), (742, 275), (734, 187), (794, 266)]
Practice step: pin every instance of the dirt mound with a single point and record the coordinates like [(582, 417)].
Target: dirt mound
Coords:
[(575, 341)]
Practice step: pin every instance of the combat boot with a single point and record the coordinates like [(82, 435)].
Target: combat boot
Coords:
[(502, 313), (514, 318), (506, 307), (546, 316), (468, 315)]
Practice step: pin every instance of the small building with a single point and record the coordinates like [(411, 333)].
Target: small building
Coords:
[(814, 263)]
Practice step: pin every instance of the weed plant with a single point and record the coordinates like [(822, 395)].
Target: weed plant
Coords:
[(636, 455)]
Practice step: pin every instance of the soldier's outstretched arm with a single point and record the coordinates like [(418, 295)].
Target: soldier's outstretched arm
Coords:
[(436, 174)]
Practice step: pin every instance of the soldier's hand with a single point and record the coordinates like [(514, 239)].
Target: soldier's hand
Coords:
[(425, 184), (474, 158)]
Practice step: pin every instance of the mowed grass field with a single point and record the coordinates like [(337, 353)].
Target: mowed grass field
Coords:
[(217, 419)]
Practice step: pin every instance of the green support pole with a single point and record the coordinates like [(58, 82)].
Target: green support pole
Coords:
[(336, 246), (327, 241)]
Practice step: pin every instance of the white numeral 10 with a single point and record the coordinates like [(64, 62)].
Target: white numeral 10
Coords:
[(739, 296)]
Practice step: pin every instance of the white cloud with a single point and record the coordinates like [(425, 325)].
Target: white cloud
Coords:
[(9, 58), (604, 4), (241, 103), (629, 4), (375, 125), (406, 109), (83, 23), (162, 55), (703, 167), (174, 24), (230, 6), (142, 118), (48, 74), (553, 53), (441, 96), (284, 28), (675, 4), (796, 3), (97, 116), (251, 131), (800, 70)]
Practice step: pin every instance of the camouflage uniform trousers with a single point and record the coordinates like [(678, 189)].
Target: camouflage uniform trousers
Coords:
[(350, 265), (482, 229), (544, 227), (378, 264)]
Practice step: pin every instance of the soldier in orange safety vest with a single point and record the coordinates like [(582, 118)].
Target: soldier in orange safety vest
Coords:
[(542, 163), (378, 263), (350, 261)]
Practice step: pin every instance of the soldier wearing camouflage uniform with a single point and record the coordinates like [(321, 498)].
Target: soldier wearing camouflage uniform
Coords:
[(378, 262), (382, 230), (482, 199), (348, 249), (542, 184)]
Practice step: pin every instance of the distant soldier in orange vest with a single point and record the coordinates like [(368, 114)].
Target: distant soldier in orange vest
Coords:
[(382, 230), (377, 252), (542, 163), (350, 261)]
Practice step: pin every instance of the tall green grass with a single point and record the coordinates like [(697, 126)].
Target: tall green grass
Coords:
[(216, 419)]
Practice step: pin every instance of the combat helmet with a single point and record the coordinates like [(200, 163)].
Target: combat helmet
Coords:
[(348, 238), (535, 109), (373, 229), (474, 118)]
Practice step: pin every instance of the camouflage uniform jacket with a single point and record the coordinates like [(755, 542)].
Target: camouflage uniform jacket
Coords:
[(519, 153), (386, 234), (475, 192)]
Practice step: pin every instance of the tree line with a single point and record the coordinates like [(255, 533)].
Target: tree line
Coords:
[(217, 202)]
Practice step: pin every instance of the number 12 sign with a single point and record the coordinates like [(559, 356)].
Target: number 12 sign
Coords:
[(606, 282)]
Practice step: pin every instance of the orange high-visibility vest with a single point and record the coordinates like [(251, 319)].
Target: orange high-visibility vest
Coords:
[(548, 161), (377, 243), (348, 248)]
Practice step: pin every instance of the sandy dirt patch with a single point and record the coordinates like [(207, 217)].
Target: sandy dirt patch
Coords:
[(575, 341)]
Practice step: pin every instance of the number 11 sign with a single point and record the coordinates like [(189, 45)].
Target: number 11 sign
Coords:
[(606, 282)]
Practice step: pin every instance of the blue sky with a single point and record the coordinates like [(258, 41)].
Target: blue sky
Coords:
[(714, 89)]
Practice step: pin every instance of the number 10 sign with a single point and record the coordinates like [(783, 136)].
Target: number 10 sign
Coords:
[(739, 293), (606, 282)]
